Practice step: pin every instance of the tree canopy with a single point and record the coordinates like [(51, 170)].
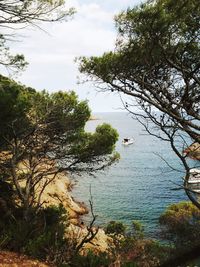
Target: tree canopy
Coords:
[(18, 14), (156, 65), (180, 224), (43, 135), (31, 11)]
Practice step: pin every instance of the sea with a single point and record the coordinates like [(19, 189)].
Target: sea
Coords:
[(140, 186)]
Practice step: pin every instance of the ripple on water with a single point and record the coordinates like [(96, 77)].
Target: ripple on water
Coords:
[(139, 186)]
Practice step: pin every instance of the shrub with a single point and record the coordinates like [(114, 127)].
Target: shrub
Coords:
[(181, 224), (137, 230), (44, 238), (91, 260), (116, 228)]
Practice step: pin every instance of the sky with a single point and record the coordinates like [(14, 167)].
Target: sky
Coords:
[(51, 52)]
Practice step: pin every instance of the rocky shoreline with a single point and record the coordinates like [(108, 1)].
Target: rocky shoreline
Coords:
[(59, 192)]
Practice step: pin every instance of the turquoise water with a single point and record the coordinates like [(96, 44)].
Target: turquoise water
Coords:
[(139, 186)]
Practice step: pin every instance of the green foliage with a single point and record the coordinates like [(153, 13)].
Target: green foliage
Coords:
[(91, 260), (181, 224), (14, 104), (61, 116), (133, 249), (129, 264), (96, 144), (42, 129), (13, 62), (116, 228), (43, 238), (138, 229), (156, 252), (18, 14), (156, 61), (62, 112), (105, 138), (7, 194), (151, 34), (65, 116), (142, 252), (52, 240)]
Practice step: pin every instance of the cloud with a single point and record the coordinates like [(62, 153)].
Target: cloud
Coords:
[(51, 55), (87, 34)]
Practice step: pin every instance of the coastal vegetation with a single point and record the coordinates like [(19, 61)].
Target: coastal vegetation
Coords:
[(155, 66), (43, 136), (43, 139)]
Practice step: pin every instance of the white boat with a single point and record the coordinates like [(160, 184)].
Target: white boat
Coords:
[(194, 176), (127, 141)]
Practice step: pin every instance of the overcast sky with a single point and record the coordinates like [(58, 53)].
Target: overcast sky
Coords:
[(51, 55)]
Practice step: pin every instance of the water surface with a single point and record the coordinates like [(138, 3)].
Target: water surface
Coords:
[(139, 186)]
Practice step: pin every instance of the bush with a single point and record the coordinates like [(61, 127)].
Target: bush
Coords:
[(50, 241), (116, 228), (43, 238), (137, 230), (181, 224), (91, 260), (129, 264)]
